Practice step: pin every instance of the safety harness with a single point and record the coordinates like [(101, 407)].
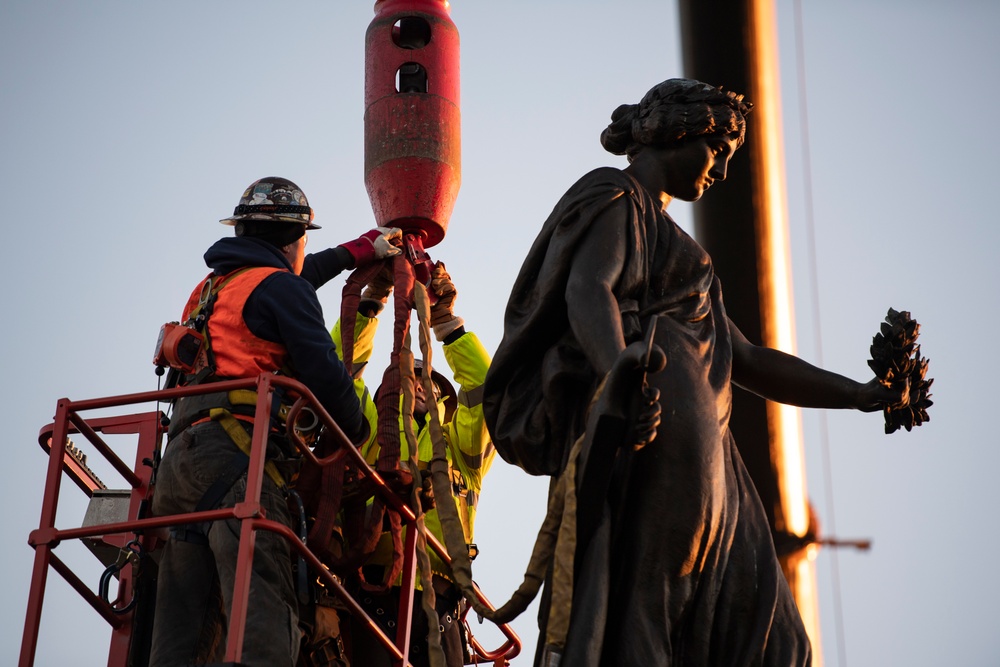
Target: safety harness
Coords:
[(232, 410)]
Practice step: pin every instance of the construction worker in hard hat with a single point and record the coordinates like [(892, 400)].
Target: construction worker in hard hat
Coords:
[(470, 454), (259, 313)]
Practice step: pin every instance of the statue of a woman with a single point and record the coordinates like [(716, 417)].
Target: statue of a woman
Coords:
[(685, 571)]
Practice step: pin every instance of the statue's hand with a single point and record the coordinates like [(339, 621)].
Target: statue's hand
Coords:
[(648, 419), (632, 365), (874, 395), (628, 397), (626, 414)]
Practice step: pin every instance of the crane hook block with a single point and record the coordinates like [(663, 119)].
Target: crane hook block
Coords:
[(413, 151)]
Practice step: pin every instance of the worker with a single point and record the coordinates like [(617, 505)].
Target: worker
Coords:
[(263, 316), (469, 451)]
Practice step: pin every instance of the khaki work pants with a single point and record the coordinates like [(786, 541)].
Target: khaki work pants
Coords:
[(195, 583)]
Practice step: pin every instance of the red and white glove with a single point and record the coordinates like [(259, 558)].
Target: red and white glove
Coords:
[(443, 318), (374, 245)]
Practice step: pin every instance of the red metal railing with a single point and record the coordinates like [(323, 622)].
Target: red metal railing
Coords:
[(149, 427)]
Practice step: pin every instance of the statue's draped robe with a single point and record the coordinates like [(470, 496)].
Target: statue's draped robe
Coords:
[(682, 570)]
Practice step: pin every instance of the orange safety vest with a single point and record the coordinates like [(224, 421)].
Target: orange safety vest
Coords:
[(238, 352)]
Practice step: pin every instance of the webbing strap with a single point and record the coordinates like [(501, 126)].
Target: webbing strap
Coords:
[(322, 489), (362, 530), (204, 364), (197, 532), (350, 300), (242, 439), (331, 486), (387, 407), (428, 596), (387, 397), (243, 397), (211, 288), (451, 524)]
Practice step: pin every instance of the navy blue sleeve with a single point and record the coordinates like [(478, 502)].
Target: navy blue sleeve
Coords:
[(325, 265), (284, 309)]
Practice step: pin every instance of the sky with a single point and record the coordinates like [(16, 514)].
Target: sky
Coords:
[(127, 130)]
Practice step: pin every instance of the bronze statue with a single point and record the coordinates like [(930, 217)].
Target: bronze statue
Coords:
[(674, 560)]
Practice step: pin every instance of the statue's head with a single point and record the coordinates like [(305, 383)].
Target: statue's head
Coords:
[(673, 111)]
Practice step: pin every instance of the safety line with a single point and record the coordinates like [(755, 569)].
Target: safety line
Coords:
[(817, 328)]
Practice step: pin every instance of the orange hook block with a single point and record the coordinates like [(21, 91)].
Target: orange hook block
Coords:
[(413, 162)]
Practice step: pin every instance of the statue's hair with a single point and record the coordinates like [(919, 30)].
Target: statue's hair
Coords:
[(672, 111)]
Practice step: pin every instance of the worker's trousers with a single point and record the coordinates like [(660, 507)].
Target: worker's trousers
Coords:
[(195, 582)]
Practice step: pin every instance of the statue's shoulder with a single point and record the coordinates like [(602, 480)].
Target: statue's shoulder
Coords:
[(601, 186), (587, 200), (606, 178)]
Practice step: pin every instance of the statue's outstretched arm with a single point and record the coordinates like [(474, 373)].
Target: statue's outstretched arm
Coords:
[(785, 378)]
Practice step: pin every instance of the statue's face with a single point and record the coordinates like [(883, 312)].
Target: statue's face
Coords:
[(691, 167)]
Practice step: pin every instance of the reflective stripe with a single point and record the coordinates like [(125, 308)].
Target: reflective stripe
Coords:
[(476, 462), (471, 399)]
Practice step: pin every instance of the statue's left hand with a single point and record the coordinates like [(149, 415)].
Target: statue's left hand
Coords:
[(874, 395)]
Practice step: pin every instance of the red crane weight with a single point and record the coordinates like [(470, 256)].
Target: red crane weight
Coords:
[(413, 167)]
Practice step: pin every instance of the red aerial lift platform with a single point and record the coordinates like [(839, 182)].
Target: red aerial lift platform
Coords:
[(126, 539)]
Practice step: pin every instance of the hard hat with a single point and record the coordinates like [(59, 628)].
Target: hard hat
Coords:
[(448, 393), (273, 199)]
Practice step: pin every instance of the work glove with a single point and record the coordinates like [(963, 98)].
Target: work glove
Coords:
[(443, 318), (376, 292), (426, 495), (373, 245)]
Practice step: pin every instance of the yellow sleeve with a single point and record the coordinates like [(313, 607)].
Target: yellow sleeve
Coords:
[(364, 343), (364, 339), (471, 448)]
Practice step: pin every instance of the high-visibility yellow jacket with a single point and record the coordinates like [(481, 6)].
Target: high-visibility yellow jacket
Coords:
[(470, 450)]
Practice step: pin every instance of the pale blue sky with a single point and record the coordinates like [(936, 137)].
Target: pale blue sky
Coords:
[(128, 129)]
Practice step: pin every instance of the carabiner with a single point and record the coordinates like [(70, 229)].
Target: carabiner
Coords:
[(132, 550)]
